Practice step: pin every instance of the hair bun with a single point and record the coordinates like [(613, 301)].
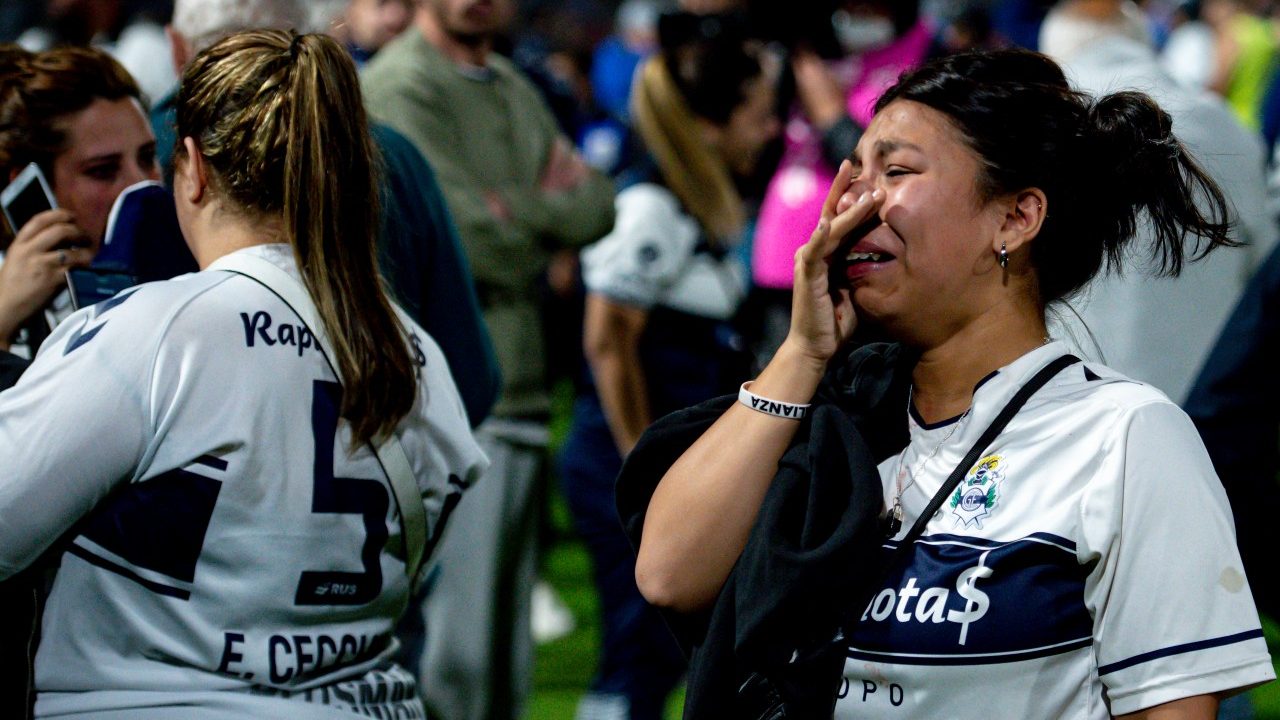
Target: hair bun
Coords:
[(1151, 170), (1129, 132)]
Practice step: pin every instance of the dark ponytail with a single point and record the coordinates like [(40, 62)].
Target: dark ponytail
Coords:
[(1152, 172), (1105, 165), (279, 119)]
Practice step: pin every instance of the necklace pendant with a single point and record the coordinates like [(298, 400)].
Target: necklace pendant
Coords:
[(893, 521)]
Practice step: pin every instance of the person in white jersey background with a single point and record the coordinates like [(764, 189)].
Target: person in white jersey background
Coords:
[(233, 545), (1086, 565)]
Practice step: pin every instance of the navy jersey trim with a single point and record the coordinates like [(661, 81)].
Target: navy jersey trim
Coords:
[(1178, 650), (970, 659), (915, 414), (128, 574), (159, 524), (80, 338), (947, 538), (211, 461)]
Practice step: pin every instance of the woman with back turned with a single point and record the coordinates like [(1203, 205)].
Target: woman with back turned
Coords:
[(233, 544), (1085, 565)]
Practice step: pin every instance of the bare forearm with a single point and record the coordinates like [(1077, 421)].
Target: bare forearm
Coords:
[(702, 511), (10, 320), (1198, 707), (623, 395)]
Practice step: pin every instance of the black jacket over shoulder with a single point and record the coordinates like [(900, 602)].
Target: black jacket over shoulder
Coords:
[(812, 556)]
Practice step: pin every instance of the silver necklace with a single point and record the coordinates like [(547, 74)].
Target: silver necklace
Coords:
[(895, 514)]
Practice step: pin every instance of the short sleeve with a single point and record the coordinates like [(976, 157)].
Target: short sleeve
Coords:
[(1173, 614), (75, 425), (650, 245), (436, 435)]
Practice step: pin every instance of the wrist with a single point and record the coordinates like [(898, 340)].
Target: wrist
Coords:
[(801, 357), (7, 328), (792, 375), (769, 406)]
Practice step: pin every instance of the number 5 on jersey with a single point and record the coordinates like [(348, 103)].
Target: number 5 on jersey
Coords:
[(367, 498)]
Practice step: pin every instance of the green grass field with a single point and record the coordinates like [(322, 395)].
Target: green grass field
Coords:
[(563, 668)]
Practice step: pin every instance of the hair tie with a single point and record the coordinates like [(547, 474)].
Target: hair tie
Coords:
[(295, 46)]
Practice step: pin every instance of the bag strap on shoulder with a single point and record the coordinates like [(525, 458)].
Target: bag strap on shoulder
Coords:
[(997, 426)]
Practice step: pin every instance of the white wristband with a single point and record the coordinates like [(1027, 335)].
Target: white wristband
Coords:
[(777, 408)]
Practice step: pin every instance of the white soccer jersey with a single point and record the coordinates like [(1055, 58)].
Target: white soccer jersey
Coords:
[(237, 562), (1086, 565), (651, 257)]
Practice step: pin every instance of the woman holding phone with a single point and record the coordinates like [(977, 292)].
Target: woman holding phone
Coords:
[(77, 115), (1085, 566), (216, 454)]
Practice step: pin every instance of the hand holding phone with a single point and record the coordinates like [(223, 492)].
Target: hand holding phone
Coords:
[(45, 245), (24, 198)]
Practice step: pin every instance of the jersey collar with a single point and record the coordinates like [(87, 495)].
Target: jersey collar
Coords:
[(992, 393)]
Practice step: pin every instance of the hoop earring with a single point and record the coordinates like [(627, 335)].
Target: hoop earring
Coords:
[(1004, 255)]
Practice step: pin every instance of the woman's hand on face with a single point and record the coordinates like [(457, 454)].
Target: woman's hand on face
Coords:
[(821, 322), (43, 249)]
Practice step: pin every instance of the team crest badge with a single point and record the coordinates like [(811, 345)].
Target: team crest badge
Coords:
[(979, 492)]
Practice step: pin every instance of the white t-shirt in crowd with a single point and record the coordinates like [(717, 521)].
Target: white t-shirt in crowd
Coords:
[(1085, 567), (651, 258), (227, 555)]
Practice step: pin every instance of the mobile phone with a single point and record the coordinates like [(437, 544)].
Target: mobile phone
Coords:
[(24, 198), (91, 285)]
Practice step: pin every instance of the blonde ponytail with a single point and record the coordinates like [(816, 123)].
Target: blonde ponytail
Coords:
[(279, 119), (694, 171)]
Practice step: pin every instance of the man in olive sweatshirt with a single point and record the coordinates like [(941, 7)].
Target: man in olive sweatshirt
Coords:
[(519, 194)]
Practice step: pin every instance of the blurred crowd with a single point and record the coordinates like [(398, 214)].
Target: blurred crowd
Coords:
[(611, 194)]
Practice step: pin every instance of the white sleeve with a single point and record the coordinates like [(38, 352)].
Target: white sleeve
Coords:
[(73, 428), (437, 436), (1173, 614), (649, 247)]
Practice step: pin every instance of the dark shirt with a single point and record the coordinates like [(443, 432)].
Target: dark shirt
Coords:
[(19, 605)]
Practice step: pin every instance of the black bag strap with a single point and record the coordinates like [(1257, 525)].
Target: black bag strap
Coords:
[(997, 426)]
